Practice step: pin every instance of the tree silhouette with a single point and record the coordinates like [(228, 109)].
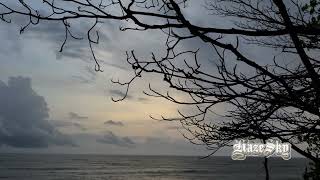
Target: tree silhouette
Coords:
[(272, 99)]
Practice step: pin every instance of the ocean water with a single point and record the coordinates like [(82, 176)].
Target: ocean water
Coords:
[(103, 167)]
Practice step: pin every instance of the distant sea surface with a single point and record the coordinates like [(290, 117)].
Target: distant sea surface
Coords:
[(103, 167)]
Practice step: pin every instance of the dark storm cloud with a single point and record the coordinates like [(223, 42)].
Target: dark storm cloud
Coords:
[(114, 123), (24, 117), (76, 116), (111, 138)]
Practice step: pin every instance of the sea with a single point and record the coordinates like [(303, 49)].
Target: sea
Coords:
[(123, 167)]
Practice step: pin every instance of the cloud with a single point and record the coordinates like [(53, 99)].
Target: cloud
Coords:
[(174, 127), (67, 124), (82, 79), (75, 116), (114, 123), (24, 117), (54, 32), (88, 76), (119, 94), (111, 138), (142, 99), (116, 92), (78, 125)]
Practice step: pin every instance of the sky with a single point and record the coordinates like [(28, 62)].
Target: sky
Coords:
[(54, 102)]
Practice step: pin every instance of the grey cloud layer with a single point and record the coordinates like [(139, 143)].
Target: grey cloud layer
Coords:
[(68, 124), (76, 116), (111, 138), (24, 117), (118, 94), (114, 123)]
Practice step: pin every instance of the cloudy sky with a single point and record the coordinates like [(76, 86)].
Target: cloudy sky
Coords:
[(54, 102)]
